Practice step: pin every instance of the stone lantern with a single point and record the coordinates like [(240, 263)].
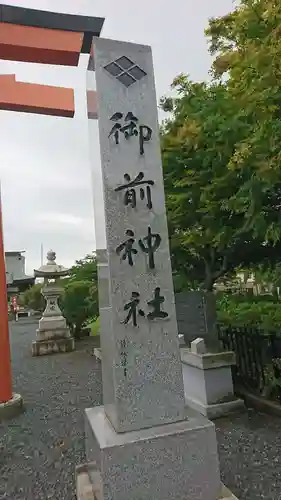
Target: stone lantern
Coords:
[(53, 335)]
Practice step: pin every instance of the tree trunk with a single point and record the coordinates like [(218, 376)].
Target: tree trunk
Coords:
[(211, 275), (209, 279), (77, 331), (209, 284)]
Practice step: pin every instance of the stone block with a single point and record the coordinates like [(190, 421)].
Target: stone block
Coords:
[(88, 491), (177, 460), (198, 346), (61, 333), (52, 324), (97, 353), (196, 316), (226, 494), (84, 487), (52, 346), (208, 383), (219, 410), (11, 408), (208, 360)]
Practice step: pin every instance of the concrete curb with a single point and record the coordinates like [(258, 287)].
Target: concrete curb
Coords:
[(254, 401), (11, 408)]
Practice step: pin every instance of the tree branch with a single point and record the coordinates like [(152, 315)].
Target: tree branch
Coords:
[(223, 269)]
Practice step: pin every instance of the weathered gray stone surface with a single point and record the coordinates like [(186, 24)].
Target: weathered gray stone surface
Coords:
[(40, 448), (198, 346), (11, 408), (53, 345), (196, 316), (91, 490), (53, 335), (141, 443), (208, 382), (177, 460), (142, 373)]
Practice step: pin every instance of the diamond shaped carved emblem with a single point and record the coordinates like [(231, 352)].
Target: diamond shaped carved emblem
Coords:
[(125, 70)]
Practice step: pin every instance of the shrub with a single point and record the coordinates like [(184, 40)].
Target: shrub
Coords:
[(94, 324), (33, 299), (78, 303), (256, 312)]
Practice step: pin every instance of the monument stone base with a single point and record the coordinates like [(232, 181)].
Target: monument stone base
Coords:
[(50, 334), (11, 408), (52, 324), (208, 382), (173, 461), (88, 491), (53, 344)]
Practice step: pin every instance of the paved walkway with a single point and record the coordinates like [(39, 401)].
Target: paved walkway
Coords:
[(40, 449)]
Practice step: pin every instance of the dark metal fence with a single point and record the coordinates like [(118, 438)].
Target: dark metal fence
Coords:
[(258, 359)]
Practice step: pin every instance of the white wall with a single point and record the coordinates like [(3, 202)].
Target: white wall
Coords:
[(15, 267)]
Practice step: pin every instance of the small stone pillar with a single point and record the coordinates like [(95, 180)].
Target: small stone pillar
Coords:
[(53, 335), (207, 377)]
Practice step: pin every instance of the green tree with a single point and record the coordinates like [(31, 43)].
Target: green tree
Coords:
[(209, 238), (85, 269), (33, 299), (268, 277), (79, 303), (247, 47), (80, 299)]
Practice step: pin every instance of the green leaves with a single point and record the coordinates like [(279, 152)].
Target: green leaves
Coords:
[(80, 299), (258, 312), (196, 144), (33, 299), (85, 269), (221, 149), (79, 303)]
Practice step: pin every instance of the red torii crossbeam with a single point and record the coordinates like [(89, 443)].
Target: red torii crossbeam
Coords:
[(29, 44), (33, 98), (44, 37)]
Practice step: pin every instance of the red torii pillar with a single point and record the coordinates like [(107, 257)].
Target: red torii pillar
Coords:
[(36, 36), (5, 363)]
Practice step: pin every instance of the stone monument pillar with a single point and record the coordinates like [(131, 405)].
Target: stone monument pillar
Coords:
[(143, 443), (53, 335), (196, 317)]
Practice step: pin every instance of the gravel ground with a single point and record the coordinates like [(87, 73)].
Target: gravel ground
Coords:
[(40, 449), (250, 455)]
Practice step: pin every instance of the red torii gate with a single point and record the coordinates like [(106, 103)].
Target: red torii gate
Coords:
[(36, 36)]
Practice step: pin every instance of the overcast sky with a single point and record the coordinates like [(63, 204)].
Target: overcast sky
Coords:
[(44, 161)]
